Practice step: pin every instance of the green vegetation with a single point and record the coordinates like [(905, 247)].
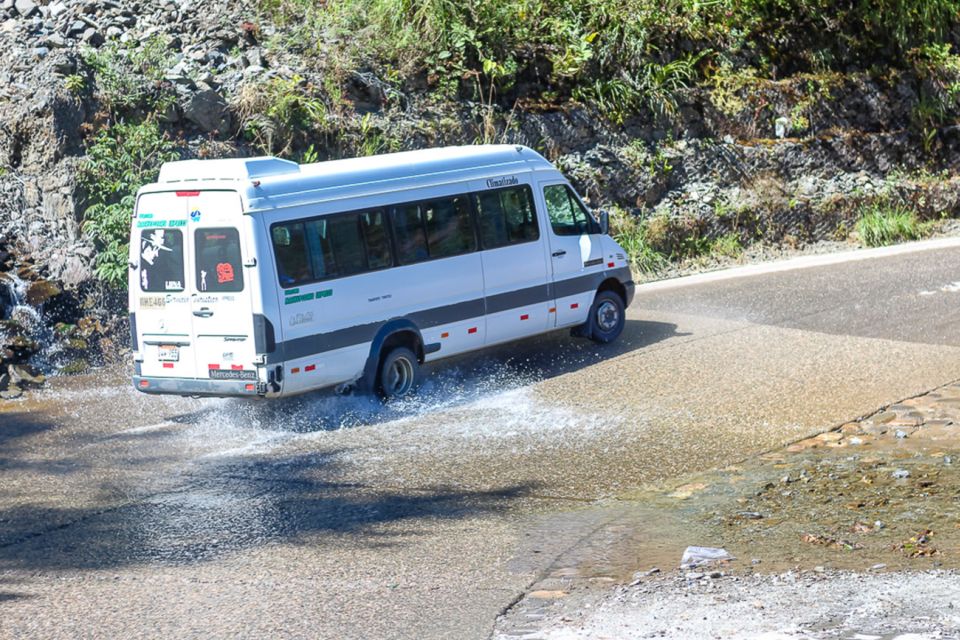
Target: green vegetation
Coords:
[(274, 114), (120, 158), (129, 76), (939, 70), (883, 223), (727, 246), (652, 243), (622, 55), (631, 234), (75, 84)]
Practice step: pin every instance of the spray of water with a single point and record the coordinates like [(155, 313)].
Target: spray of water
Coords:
[(476, 403)]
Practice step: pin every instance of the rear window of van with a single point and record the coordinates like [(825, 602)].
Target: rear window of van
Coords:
[(219, 267), (161, 260)]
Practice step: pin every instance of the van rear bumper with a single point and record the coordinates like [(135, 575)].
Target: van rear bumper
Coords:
[(196, 387)]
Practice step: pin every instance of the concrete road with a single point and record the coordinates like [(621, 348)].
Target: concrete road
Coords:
[(123, 515)]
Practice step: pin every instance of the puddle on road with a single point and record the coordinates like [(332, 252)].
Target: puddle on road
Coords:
[(880, 494)]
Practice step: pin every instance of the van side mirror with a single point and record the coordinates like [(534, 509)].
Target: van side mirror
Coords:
[(604, 221)]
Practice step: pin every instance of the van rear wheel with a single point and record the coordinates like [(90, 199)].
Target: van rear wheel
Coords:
[(607, 317), (399, 374)]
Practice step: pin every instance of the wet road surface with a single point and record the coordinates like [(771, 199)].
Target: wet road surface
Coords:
[(128, 515)]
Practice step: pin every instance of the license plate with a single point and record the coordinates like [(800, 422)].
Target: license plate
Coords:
[(169, 353)]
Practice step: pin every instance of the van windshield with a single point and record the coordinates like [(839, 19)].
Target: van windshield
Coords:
[(219, 267)]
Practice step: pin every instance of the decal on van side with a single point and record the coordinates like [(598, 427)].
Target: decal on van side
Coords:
[(305, 297), (151, 224), (505, 181)]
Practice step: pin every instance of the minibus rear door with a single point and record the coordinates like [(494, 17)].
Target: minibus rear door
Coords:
[(220, 298)]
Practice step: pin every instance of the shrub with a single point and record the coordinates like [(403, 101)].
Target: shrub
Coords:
[(130, 76), (882, 224), (120, 159), (275, 112), (631, 234), (727, 246)]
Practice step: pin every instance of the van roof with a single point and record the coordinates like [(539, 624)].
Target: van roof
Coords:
[(268, 183), (269, 170)]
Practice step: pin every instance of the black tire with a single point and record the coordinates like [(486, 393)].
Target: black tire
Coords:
[(607, 318), (399, 374)]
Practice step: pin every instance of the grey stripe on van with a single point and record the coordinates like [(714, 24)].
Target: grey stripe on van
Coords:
[(447, 314)]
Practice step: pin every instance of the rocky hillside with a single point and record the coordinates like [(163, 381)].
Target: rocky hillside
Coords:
[(708, 127)]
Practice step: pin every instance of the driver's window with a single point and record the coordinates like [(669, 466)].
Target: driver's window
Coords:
[(567, 215)]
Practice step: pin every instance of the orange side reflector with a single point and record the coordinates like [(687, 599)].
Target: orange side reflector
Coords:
[(445, 334), (295, 370), (144, 383), (310, 367), (553, 309)]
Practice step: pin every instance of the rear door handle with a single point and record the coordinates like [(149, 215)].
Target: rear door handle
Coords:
[(557, 254), (203, 312)]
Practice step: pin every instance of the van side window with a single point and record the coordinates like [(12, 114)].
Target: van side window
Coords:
[(290, 247), (161, 260), (330, 247), (411, 237), (449, 227), (346, 244), (377, 240), (506, 217), (567, 215), (219, 266)]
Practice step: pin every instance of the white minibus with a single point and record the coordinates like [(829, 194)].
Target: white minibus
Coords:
[(262, 277)]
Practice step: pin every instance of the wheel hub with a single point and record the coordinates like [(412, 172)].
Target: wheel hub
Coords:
[(608, 316), (399, 377)]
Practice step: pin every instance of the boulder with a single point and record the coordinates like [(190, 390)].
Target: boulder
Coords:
[(23, 375), (208, 110), (11, 393), (26, 8), (40, 291)]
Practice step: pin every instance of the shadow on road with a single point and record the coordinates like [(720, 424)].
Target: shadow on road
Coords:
[(16, 426), (17, 430), (233, 506)]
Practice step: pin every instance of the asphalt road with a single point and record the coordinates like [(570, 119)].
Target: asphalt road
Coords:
[(123, 515)]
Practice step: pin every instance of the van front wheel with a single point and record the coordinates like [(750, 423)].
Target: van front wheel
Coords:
[(607, 317), (399, 373)]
